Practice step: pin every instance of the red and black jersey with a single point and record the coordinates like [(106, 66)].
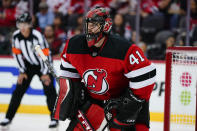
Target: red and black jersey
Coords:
[(117, 65)]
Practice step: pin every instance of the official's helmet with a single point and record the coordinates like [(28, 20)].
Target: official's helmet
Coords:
[(24, 18), (99, 16)]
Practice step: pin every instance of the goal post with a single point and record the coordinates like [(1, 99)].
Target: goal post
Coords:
[(180, 89)]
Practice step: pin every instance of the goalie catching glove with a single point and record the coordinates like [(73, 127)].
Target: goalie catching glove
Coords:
[(71, 96), (122, 112)]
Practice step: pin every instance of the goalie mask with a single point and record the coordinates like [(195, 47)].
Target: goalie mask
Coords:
[(97, 18)]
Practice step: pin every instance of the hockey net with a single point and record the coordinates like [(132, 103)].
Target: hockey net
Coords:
[(180, 89)]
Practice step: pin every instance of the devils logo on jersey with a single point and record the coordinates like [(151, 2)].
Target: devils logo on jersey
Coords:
[(95, 81)]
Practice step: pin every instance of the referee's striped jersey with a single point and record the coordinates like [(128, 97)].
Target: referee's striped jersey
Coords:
[(23, 50)]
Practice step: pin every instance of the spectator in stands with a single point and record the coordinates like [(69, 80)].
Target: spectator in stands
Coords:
[(7, 23), (36, 6), (21, 7), (193, 8), (163, 6), (174, 12), (80, 22), (118, 25), (121, 27), (194, 38), (7, 14), (77, 27), (59, 28), (54, 43), (180, 39), (141, 44), (148, 7), (45, 17), (59, 6), (163, 40), (119, 6), (73, 32), (76, 7), (100, 3), (5, 46)]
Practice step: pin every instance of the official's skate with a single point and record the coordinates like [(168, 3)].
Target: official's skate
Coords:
[(5, 124), (53, 126)]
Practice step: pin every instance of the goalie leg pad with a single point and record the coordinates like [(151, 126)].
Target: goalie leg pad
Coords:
[(64, 99), (94, 115), (71, 96)]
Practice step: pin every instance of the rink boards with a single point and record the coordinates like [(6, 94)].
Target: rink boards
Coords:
[(34, 100)]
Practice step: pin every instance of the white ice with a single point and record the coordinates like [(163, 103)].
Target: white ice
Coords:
[(35, 122)]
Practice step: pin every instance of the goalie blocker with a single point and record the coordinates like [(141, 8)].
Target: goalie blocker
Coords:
[(121, 113)]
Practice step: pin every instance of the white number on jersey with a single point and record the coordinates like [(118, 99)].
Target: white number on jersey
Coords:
[(134, 60)]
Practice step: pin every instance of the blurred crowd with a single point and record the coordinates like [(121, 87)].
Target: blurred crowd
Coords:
[(162, 22)]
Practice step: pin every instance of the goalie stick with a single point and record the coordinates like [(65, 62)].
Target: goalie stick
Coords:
[(81, 117)]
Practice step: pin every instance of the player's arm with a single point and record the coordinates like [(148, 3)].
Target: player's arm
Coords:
[(17, 53), (66, 68), (141, 74)]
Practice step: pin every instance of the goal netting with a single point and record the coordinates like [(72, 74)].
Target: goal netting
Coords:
[(180, 89)]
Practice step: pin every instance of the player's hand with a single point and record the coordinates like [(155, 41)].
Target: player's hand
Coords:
[(21, 77), (45, 79)]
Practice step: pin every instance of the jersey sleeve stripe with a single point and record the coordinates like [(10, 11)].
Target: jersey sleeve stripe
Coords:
[(138, 85), (143, 77), (69, 74), (68, 69), (66, 64), (140, 71)]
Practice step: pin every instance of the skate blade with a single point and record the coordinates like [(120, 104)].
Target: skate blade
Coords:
[(54, 129)]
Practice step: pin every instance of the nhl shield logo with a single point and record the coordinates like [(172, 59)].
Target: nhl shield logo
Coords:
[(95, 81)]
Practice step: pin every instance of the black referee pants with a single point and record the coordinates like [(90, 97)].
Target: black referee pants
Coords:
[(20, 90)]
